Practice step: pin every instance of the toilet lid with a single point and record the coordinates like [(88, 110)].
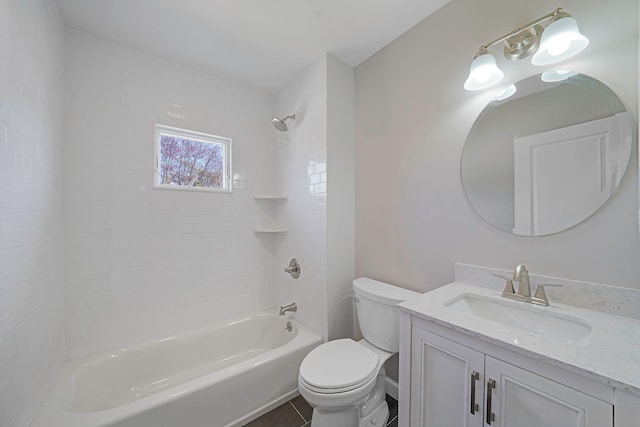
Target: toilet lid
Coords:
[(339, 364)]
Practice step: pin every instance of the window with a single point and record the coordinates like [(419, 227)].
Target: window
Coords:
[(190, 160)]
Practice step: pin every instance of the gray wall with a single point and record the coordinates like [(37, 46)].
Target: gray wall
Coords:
[(413, 221)]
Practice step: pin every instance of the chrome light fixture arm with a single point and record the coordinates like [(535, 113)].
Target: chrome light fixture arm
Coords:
[(526, 27), (558, 40)]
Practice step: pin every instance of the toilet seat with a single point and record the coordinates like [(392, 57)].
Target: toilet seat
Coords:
[(337, 390), (338, 366)]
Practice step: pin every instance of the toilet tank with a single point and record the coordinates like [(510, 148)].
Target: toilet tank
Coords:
[(378, 312)]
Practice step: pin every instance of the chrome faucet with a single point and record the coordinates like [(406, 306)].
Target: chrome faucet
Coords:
[(291, 307), (521, 275)]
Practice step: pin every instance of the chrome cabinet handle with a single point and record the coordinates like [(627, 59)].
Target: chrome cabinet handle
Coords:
[(491, 384), (475, 376)]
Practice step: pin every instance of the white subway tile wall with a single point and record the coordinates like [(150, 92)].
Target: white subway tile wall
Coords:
[(143, 263), (31, 240), (306, 211)]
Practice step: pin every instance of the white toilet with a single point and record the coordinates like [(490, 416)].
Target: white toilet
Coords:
[(344, 380)]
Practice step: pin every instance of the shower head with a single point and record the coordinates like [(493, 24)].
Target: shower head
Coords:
[(280, 123)]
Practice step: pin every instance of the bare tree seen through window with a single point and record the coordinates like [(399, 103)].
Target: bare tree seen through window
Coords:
[(191, 163)]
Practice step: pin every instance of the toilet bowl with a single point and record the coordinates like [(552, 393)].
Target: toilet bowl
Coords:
[(344, 380)]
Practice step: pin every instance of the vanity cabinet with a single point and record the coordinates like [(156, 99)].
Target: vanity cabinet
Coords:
[(516, 397), (446, 382), (455, 385)]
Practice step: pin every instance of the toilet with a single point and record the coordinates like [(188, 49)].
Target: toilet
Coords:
[(344, 380)]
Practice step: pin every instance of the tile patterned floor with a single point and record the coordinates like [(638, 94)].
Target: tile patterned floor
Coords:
[(297, 413)]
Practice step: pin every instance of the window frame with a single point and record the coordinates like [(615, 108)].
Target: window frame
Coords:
[(160, 130)]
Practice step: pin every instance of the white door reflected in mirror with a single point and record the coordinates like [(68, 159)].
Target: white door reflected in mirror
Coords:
[(583, 164), (548, 157)]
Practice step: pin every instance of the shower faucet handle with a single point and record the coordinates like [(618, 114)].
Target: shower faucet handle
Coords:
[(293, 269)]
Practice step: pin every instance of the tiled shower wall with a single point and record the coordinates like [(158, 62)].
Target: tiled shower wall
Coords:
[(301, 173), (143, 263), (31, 243), (315, 171)]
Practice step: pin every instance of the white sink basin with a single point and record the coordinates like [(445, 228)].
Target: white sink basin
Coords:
[(523, 316)]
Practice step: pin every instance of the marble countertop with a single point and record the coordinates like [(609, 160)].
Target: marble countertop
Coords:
[(611, 355)]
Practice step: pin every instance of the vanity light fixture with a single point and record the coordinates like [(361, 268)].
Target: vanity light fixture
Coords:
[(484, 71), (560, 40)]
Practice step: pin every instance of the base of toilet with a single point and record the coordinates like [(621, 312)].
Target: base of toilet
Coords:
[(349, 418), (373, 412), (377, 418), (346, 418)]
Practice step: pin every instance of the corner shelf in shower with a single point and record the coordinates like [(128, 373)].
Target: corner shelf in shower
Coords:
[(270, 198)]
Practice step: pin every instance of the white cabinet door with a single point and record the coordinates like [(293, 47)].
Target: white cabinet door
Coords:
[(523, 399), (445, 377)]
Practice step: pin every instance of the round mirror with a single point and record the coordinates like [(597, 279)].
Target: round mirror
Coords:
[(546, 153)]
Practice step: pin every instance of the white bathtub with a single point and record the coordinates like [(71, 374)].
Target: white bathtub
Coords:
[(225, 375)]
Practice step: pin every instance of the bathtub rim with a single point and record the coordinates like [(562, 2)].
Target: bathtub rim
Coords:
[(52, 411), (81, 365)]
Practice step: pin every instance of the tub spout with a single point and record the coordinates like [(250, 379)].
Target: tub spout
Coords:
[(291, 307)]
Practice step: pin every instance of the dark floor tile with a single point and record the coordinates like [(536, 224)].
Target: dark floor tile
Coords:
[(297, 413), (284, 415), (303, 407), (393, 407)]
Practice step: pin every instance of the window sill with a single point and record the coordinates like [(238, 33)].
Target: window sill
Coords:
[(193, 189)]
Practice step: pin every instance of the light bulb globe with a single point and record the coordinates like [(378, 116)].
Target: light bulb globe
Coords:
[(560, 40), (483, 72)]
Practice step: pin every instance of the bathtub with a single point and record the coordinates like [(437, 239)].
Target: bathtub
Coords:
[(223, 375)]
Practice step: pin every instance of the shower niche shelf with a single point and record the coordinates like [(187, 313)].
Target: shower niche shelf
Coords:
[(277, 199)]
